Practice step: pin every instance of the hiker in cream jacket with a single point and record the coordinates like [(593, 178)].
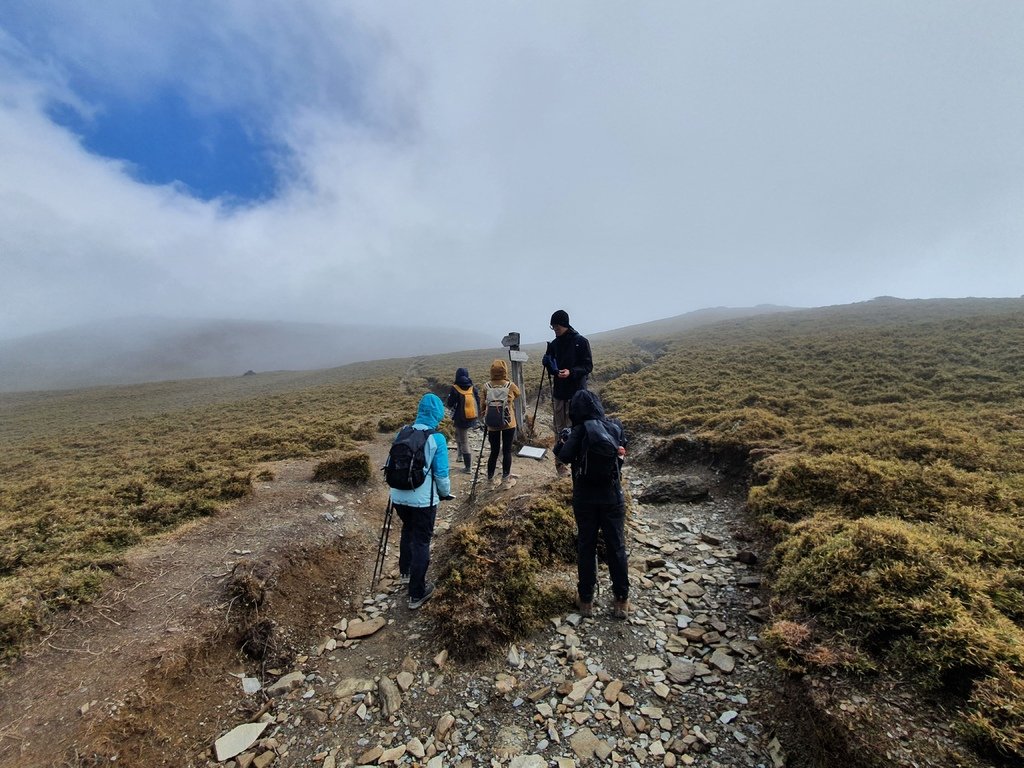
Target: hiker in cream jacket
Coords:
[(501, 429)]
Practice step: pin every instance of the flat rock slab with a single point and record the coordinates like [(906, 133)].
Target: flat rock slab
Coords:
[(289, 682), (584, 743), (350, 686), (391, 698), (666, 490), (528, 761), (237, 740), (357, 628)]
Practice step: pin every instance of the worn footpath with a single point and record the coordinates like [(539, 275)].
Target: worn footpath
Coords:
[(682, 682)]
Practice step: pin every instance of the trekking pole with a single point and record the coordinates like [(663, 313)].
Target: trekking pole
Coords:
[(479, 461), (540, 388), (382, 546)]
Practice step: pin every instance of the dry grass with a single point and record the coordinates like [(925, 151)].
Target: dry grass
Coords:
[(86, 474), (889, 440), (495, 585), (886, 439)]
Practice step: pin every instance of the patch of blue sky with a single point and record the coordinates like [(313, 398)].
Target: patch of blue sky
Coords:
[(213, 154)]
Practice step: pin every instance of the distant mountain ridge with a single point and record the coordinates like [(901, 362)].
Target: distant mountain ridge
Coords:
[(672, 325), (144, 349)]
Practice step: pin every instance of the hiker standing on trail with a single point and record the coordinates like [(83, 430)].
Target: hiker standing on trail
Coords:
[(569, 361), (417, 508), (595, 447), (500, 419), (462, 400)]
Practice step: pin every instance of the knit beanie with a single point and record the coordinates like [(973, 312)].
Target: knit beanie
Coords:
[(561, 317)]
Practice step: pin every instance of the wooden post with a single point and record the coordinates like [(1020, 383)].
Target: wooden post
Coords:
[(517, 358)]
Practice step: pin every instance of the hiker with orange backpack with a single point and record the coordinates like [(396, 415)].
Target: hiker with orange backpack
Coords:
[(462, 400)]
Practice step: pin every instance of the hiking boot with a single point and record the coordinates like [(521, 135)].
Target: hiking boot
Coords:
[(621, 609), (403, 579), (466, 471), (417, 602), (562, 470), (586, 608), (507, 482)]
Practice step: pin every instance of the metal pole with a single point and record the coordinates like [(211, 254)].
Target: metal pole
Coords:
[(540, 389), (479, 461), (382, 546)]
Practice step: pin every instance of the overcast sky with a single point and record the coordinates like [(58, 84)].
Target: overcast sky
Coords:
[(483, 164)]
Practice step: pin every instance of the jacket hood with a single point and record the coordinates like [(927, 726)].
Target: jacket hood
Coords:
[(585, 405), (462, 378), (499, 370), (430, 411)]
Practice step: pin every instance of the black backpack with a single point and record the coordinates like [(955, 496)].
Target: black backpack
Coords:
[(406, 467), (599, 454)]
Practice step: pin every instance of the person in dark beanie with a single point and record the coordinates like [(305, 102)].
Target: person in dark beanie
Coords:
[(570, 363), (462, 400), (595, 446)]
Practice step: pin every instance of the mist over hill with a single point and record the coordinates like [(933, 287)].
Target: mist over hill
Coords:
[(137, 350), (671, 326), (147, 349)]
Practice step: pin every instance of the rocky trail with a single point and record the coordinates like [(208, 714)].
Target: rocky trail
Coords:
[(151, 674)]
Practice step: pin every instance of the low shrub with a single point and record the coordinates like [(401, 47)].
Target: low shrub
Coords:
[(495, 589), (350, 468)]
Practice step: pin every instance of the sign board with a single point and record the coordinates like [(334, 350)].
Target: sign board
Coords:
[(511, 340), (517, 357), (530, 452)]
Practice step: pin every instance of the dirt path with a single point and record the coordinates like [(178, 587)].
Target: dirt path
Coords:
[(145, 676)]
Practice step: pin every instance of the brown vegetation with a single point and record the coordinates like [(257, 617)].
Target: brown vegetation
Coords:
[(886, 440), (888, 437), (495, 584)]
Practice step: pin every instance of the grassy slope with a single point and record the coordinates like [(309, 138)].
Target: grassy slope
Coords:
[(890, 468)]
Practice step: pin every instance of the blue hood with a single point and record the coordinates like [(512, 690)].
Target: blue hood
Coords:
[(430, 411), (462, 378)]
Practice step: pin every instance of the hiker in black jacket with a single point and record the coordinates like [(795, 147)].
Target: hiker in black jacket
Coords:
[(597, 499), (570, 363)]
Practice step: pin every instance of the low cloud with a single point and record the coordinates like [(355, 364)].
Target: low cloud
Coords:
[(484, 166)]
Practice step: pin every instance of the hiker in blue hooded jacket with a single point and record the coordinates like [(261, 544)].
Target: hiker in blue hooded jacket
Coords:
[(418, 508), (569, 361), (597, 500)]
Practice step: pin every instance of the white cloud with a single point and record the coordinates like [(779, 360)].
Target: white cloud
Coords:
[(485, 165)]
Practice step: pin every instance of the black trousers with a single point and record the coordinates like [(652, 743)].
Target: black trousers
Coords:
[(610, 519), (414, 547), (505, 437)]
